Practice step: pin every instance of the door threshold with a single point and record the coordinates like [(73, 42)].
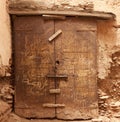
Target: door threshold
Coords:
[(15, 117), (57, 120)]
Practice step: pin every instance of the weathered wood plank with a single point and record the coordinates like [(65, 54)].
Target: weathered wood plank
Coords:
[(96, 14), (55, 35), (76, 52), (54, 91), (50, 105), (32, 34)]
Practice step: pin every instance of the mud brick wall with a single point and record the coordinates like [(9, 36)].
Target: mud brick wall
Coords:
[(108, 45), (6, 92)]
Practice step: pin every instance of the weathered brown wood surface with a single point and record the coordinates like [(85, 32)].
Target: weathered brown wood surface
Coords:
[(67, 63), (34, 59), (76, 52), (99, 15)]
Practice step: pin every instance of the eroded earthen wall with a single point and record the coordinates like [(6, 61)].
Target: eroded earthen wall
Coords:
[(5, 61)]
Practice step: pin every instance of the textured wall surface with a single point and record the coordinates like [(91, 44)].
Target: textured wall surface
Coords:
[(5, 39), (5, 56), (108, 41)]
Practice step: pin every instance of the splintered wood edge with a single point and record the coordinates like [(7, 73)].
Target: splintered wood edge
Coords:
[(96, 14)]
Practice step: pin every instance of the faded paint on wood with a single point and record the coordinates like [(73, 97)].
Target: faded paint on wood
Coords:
[(45, 16)]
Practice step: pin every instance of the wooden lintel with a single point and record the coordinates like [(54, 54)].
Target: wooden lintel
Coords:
[(101, 15)]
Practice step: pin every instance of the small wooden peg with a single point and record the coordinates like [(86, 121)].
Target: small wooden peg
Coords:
[(55, 35)]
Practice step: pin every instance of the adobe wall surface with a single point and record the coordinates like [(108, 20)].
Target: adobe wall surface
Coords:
[(5, 38), (5, 59), (108, 43)]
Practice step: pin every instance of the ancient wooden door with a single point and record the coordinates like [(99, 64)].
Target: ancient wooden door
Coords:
[(57, 78)]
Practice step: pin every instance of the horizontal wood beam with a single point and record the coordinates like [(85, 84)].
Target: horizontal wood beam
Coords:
[(53, 17), (50, 105), (95, 14), (54, 91)]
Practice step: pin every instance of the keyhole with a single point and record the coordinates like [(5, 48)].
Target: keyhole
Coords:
[(57, 62)]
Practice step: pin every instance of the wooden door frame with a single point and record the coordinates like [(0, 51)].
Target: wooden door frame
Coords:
[(93, 14)]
